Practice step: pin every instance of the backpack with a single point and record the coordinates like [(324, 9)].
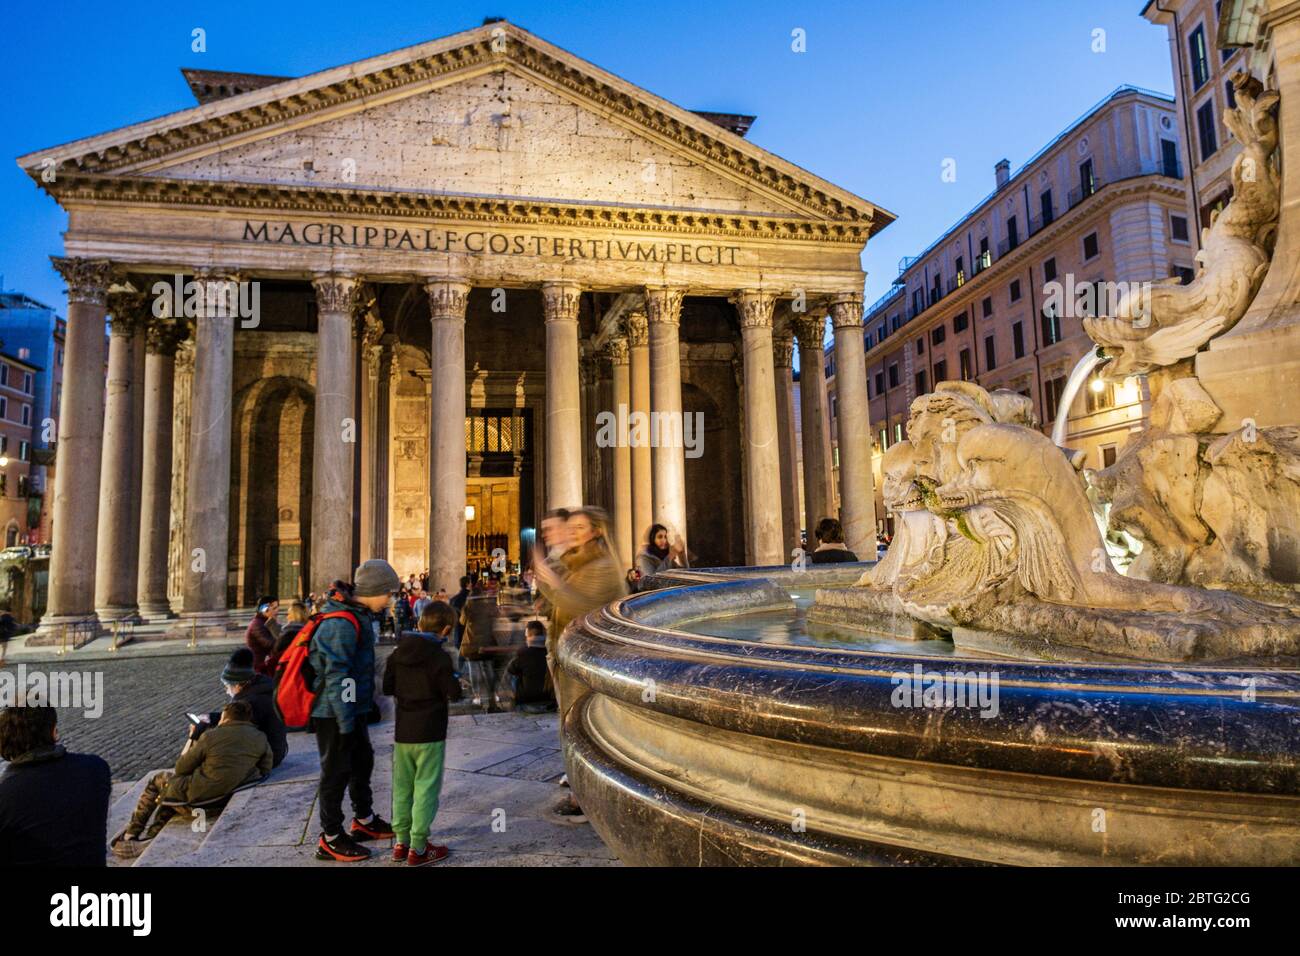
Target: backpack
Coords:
[(295, 678)]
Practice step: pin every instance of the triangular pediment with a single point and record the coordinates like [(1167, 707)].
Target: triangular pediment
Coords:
[(491, 112)]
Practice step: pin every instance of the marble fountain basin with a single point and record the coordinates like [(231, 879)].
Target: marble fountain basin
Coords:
[(707, 722)]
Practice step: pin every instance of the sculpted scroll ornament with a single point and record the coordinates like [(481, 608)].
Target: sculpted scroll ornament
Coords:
[(664, 305), (87, 279), (561, 300), (447, 298), (336, 293), (754, 309)]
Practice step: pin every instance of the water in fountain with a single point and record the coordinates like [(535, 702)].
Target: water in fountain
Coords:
[(1090, 360)]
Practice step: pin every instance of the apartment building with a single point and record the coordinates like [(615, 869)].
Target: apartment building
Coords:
[(999, 298), (19, 504)]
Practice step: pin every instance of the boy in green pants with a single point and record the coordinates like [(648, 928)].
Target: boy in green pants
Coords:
[(419, 674)]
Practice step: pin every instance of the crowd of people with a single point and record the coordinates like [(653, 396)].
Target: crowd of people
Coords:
[(496, 639)]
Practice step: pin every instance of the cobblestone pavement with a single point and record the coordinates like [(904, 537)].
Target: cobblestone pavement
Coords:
[(145, 700)]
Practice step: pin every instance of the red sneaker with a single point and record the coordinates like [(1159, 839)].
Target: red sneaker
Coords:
[(377, 829), (399, 852), (431, 854), (342, 849)]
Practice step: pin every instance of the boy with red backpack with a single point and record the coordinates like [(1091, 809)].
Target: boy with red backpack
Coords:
[(341, 659)]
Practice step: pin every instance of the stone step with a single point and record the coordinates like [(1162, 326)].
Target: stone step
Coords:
[(120, 810)]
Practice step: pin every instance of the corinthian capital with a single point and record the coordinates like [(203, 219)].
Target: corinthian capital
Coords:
[(638, 329), (560, 301), (163, 336), (846, 310), (128, 311), (447, 298), (616, 351), (783, 351), (754, 309), (809, 330), (87, 279), (664, 304), (336, 293)]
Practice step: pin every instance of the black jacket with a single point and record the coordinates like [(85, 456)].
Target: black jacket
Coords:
[(529, 665), (259, 694), (833, 555), (54, 809), (419, 675)]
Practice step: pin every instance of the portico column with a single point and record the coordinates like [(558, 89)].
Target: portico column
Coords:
[(857, 495), (447, 302), (162, 337), (206, 559), (116, 561), (79, 447), (664, 310), (638, 358), (624, 540), (815, 425), (563, 399), (763, 461), (370, 332), (590, 363), (335, 432), (783, 351)]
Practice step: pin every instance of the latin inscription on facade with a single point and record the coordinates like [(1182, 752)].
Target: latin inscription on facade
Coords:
[(484, 243)]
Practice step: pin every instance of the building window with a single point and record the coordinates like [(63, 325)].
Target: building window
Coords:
[(990, 354), (1178, 228), (967, 371), (1054, 388), (894, 323), (1087, 179), (882, 332), (961, 271), (27, 414), (893, 375), (884, 439), (1013, 233), (1205, 130), (1185, 274), (1045, 208), (898, 432), (1015, 290), (834, 407), (1200, 62), (920, 346), (1049, 269), (1051, 326), (4, 374), (1169, 159), (27, 382), (870, 340), (58, 354), (1018, 339), (987, 306), (880, 383), (4, 444), (1231, 94), (938, 334), (1101, 394), (1090, 247), (940, 371), (4, 407), (22, 486), (23, 451), (1108, 454), (4, 481), (919, 380), (959, 323), (918, 302)]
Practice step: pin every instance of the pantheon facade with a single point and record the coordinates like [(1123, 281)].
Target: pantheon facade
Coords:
[(420, 280)]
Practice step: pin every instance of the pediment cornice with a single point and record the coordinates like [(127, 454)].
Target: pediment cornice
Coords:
[(261, 198), (295, 102)]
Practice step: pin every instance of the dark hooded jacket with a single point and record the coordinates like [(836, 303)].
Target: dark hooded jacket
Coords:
[(259, 693), (419, 674), (54, 809)]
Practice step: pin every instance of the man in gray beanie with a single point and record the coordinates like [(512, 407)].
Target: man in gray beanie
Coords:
[(343, 659)]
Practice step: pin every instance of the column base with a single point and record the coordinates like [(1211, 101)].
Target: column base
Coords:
[(200, 625), (70, 630), (124, 614), (153, 612)]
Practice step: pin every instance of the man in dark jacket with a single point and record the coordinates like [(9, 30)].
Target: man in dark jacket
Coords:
[(419, 674), (228, 756), (258, 691), (831, 549), (53, 804), (528, 668), (343, 660)]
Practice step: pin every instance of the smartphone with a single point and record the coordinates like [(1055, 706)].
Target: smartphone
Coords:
[(197, 718)]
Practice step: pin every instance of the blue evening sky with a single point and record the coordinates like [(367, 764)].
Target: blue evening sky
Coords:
[(884, 93)]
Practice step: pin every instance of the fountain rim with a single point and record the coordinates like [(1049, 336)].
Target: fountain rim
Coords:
[(616, 621)]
